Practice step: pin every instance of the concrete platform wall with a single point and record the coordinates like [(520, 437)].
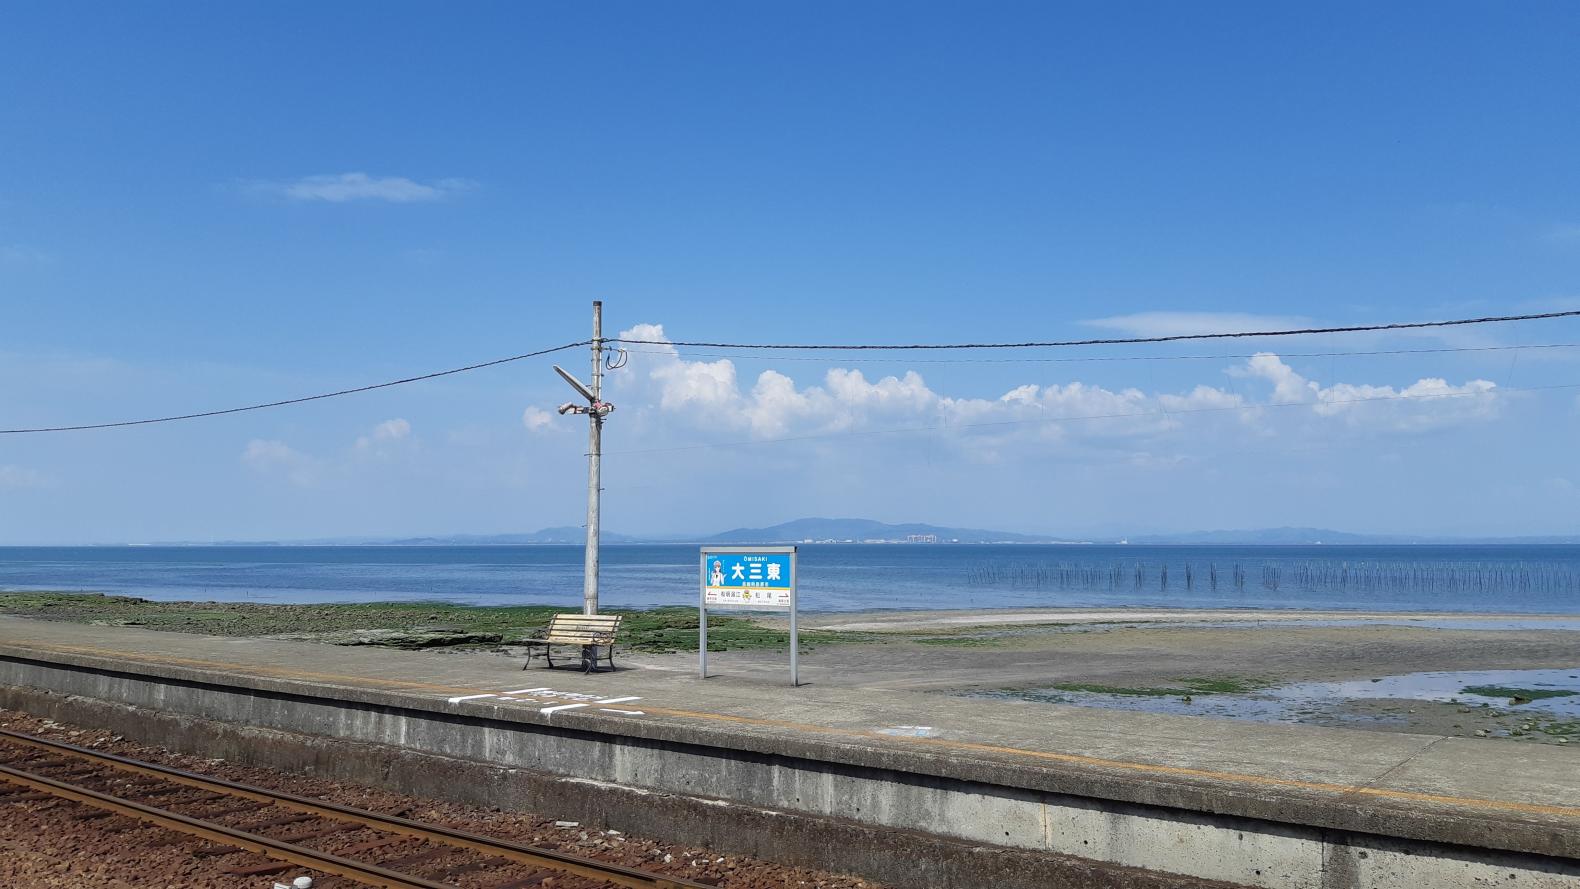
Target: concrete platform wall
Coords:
[(879, 820)]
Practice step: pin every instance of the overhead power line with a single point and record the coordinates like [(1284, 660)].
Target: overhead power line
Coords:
[(1086, 359), (258, 407), (1113, 341)]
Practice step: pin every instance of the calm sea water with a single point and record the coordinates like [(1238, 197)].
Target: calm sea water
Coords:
[(839, 577)]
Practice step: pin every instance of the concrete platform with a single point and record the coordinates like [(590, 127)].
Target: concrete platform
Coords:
[(1248, 804)]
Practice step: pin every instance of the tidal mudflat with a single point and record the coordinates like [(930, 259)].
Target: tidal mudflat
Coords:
[(1536, 705), (1487, 676)]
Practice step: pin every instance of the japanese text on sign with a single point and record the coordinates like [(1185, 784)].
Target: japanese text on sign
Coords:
[(748, 579)]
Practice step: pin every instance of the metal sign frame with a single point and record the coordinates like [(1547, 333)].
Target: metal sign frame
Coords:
[(703, 606)]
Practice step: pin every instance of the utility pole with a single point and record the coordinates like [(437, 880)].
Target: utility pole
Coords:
[(594, 466), (595, 410)]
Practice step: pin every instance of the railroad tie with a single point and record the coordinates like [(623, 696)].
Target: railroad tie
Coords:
[(374, 844), (205, 798), (24, 797), (233, 810), (284, 820), (420, 857), (93, 815), (262, 870), (526, 882), (468, 867), (315, 834)]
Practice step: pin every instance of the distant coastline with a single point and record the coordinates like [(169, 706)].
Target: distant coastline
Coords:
[(868, 532)]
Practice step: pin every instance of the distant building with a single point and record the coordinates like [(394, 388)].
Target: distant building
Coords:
[(921, 538)]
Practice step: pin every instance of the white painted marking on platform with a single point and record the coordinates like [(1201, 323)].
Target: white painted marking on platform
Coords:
[(912, 731), (626, 712), (543, 695)]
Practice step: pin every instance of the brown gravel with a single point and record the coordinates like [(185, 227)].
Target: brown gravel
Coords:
[(58, 844)]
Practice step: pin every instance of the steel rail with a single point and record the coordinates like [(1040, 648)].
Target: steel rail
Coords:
[(370, 874)]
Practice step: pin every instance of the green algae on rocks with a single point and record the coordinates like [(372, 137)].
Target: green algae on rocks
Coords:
[(402, 624)]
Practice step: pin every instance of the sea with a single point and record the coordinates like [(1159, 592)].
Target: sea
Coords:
[(838, 577)]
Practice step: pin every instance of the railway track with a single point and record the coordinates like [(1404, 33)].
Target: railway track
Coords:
[(369, 848)]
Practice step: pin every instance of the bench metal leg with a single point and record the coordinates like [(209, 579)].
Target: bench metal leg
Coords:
[(589, 657), (532, 652)]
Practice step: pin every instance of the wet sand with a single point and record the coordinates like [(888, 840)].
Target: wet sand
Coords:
[(974, 656), (977, 652), (895, 621)]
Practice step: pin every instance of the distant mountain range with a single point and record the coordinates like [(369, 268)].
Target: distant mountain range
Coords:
[(562, 534), (1309, 536), (863, 530), (822, 530), (798, 531)]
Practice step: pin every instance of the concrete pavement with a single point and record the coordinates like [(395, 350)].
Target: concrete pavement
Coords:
[(1497, 797)]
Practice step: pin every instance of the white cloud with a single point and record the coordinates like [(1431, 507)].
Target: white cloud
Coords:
[(384, 437), (1429, 402), (391, 430), (266, 452), (272, 455), (14, 477), (1146, 324), (389, 439), (344, 187), (708, 394), (537, 419)]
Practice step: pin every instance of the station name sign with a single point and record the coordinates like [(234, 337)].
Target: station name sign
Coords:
[(748, 578)]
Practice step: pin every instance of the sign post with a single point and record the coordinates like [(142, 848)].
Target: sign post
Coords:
[(747, 578)]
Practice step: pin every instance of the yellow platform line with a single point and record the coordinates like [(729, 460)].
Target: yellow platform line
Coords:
[(939, 743)]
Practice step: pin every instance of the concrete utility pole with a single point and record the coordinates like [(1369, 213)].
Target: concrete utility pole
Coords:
[(595, 410)]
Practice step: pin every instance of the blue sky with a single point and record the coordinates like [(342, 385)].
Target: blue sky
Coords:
[(208, 205)]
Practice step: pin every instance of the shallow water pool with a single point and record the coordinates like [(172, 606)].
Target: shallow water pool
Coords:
[(1301, 701)]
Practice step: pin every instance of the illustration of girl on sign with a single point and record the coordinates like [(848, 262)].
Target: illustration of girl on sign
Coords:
[(717, 577)]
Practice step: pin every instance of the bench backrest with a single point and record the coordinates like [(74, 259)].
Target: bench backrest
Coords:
[(583, 629)]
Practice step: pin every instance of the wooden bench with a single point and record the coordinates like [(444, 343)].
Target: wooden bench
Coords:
[(585, 631)]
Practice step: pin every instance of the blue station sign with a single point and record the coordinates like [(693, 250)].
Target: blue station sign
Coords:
[(748, 578)]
